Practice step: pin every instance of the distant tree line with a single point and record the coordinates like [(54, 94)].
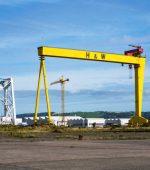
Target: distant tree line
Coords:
[(96, 114)]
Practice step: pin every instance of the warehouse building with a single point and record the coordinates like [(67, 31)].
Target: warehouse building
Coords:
[(77, 121)]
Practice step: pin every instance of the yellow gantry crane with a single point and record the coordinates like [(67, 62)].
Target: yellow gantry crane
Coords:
[(131, 57), (62, 81)]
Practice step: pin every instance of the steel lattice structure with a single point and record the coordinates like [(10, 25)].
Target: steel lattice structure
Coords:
[(7, 100)]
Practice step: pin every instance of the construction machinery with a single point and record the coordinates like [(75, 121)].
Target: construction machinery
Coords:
[(7, 102), (137, 51), (132, 57), (62, 81)]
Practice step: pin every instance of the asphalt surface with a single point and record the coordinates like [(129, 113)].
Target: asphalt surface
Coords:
[(75, 155)]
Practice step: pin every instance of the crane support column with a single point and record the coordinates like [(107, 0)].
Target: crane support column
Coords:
[(139, 81), (38, 93), (46, 93), (42, 68)]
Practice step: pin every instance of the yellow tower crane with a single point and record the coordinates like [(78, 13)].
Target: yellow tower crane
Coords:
[(62, 81)]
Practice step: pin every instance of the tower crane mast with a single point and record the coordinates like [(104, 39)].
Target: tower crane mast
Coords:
[(62, 81)]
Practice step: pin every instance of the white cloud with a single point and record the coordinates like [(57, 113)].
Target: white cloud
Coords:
[(79, 79), (126, 39), (14, 41), (82, 79), (122, 5), (17, 2), (35, 32)]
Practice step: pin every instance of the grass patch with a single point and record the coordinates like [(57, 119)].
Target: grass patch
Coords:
[(54, 132)]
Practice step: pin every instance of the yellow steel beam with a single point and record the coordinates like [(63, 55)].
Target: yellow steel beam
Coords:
[(46, 93), (138, 62), (139, 81), (42, 69), (87, 55), (38, 93)]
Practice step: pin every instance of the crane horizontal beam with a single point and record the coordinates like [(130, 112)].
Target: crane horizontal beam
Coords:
[(88, 55), (60, 81), (55, 82)]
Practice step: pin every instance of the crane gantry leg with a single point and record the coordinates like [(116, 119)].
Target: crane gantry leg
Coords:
[(139, 81), (42, 69)]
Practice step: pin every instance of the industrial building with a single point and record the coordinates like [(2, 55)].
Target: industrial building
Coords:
[(77, 121)]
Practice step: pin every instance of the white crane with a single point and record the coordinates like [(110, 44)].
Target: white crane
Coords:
[(7, 101)]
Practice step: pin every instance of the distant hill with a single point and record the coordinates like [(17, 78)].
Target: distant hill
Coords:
[(31, 114), (96, 114)]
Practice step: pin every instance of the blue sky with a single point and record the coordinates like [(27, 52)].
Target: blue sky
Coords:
[(102, 25)]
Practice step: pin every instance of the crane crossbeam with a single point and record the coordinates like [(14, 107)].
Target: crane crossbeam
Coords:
[(88, 55)]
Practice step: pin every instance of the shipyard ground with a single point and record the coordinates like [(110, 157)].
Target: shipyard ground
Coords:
[(24, 154)]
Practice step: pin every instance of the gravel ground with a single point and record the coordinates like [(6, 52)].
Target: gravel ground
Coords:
[(19, 154)]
